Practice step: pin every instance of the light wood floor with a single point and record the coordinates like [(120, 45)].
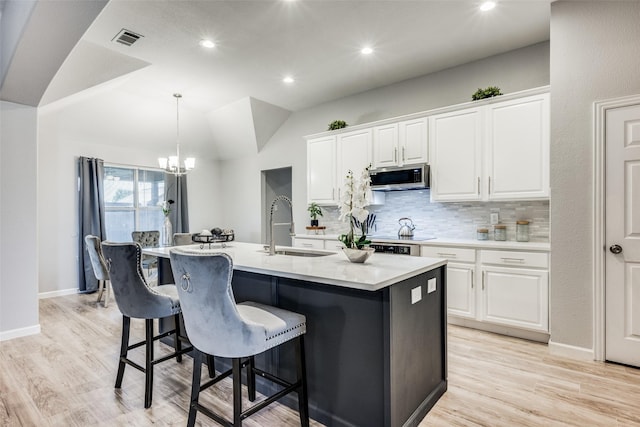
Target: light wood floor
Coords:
[(65, 377)]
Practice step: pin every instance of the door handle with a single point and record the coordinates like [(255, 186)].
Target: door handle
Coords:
[(615, 249)]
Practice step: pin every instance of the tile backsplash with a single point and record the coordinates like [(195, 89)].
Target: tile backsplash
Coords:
[(454, 219)]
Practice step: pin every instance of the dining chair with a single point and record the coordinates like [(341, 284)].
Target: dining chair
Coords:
[(147, 239), (217, 326), (181, 239), (100, 267), (135, 299)]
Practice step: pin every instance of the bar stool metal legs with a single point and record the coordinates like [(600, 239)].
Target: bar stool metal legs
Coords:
[(150, 362)]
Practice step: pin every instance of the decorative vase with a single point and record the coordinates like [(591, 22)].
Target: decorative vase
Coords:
[(358, 255), (167, 232)]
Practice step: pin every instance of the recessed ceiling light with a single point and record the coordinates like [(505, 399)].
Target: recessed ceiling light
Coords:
[(207, 43), (488, 5), (366, 50), (288, 79)]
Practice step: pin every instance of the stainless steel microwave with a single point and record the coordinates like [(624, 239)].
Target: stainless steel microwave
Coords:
[(408, 177)]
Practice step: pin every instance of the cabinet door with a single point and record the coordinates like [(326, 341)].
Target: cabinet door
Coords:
[(456, 143), (413, 139), (516, 297), (461, 293), (385, 145), (354, 153), (518, 149), (321, 170)]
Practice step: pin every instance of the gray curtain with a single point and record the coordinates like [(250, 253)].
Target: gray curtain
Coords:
[(177, 191), (91, 218)]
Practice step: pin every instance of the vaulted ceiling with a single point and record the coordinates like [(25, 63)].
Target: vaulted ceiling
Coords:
[(238, 84)]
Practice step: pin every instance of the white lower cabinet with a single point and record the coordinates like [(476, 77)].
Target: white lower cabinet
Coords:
[(515, 297), (308, 243), (500, 287), (461, 294), (330, 244)]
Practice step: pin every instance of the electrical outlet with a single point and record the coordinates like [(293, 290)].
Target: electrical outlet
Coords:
[(431, 285), (495, 218), (416, 294)]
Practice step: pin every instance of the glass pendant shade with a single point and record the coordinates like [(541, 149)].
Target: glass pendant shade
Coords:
[(172, 164)]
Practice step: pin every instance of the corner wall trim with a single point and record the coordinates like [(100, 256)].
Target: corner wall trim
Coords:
[(21, 332), (60, 293), (570, 351)]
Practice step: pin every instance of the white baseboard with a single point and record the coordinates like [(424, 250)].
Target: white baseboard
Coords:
[(21, 332), (542, 337), (571, 351), (60, 293)]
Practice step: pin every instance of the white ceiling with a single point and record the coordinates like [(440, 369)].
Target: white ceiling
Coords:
[(316, 41), (258, 43)]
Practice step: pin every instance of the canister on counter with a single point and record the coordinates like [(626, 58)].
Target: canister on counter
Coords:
[(500, 232), (522, 231), (482, 234)]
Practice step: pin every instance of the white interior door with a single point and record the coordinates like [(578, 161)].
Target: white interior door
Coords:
[(622, 228)]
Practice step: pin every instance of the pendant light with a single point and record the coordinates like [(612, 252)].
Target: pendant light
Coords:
[(172, 164)]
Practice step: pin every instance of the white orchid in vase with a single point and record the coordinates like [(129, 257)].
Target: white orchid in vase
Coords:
[(355, 198)]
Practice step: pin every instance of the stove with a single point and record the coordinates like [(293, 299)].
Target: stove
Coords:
[(398, 245)]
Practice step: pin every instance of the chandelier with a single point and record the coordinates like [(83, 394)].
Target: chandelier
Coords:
[(172, 164)]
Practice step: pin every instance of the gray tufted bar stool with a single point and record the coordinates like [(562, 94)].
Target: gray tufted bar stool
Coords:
[(147, 239), (217, 326), (137, 300), (100, 268)]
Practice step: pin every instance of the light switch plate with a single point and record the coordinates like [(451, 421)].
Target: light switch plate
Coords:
[(416, 294), (431, 285), (495, 218)]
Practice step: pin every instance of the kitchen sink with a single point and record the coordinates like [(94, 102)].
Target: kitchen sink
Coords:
[(301, 252)]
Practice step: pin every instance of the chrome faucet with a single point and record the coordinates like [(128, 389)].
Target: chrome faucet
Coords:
[(272, 243)]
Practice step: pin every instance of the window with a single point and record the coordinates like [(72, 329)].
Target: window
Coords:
[(133, 200)]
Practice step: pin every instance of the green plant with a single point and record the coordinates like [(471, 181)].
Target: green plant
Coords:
[(337, 124), (489, 92), (314, 211)]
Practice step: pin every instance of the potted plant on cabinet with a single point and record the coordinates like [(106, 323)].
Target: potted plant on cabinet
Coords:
[(314, 213)]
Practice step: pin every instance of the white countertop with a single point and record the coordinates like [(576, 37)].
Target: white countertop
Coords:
[(449, 241), (379, 271)]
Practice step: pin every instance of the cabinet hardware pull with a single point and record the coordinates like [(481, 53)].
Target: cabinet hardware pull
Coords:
[(307, 245), (446, 255), (395, 155), (489, 185), (512, 259), (403, 154), (478, 186), (471, 279), (333, 193), (483, 280)]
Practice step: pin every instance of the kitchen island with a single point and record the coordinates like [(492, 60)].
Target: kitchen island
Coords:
[(376, 332)]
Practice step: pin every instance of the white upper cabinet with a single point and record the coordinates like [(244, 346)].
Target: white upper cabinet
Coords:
[(385, 145), (456, 155), (321, 170), (402, 143), (498, 151), (518, 149), (353, 154), (413, 141), (328, 160)]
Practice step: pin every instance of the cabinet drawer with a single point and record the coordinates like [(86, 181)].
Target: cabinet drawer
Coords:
[(309, 243), (452, 254), (515, 258)]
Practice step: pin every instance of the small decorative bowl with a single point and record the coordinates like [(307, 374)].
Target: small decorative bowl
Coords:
[(358, 255)]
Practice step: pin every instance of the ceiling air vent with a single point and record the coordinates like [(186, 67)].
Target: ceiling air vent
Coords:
[(126, 37)]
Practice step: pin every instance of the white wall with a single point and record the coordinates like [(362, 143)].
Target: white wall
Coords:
[(595, 55), (62, 139), (513, 71), (18, 221)]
